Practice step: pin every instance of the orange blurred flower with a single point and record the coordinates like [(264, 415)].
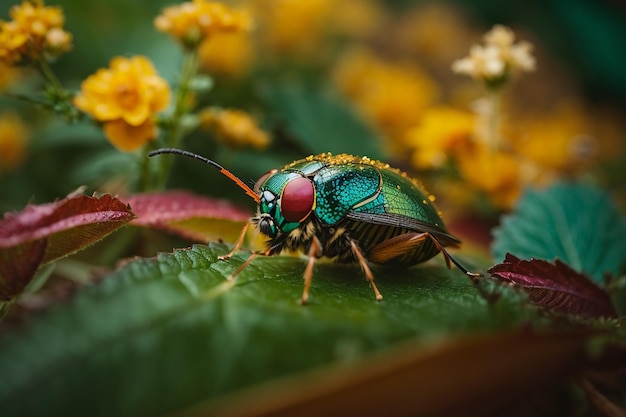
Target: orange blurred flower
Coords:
[(292, 27), (563, 140), (13, 141), (441, 133), (358, 19), (130, 92), (35, 32), (234, 128), (227, 54), (194, 21), (392, 96), (496, 173)]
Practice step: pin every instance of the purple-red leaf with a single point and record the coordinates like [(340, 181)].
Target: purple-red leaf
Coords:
[(43, 233), (191, 216), (555, 287)]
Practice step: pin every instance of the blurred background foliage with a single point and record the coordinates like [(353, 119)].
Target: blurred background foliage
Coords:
[(298, 73)]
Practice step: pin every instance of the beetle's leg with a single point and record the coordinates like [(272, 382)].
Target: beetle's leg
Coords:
[(365, 268), (396, 246), (449, 258), (238, 243), (401, 244), (308, 272), (243, 266), (247, 262)]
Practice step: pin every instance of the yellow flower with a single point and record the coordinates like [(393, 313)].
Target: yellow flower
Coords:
[(441, 133), (435, 31), (35, 32), (127, 137), (13, 141), (128, 92), (496, 173), (498, 58), (358, 19), (564, 140), (193, 21), (392, 96), (227, 54), (234, 128), (292, 26)]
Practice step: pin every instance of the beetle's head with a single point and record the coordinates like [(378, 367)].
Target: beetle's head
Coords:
[(287, 200)]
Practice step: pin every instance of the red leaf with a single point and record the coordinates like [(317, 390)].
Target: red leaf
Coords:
[(43, 233), (555, 287), (191, 216)]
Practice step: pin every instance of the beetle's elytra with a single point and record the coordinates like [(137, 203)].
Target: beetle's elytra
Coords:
[(345, 207)]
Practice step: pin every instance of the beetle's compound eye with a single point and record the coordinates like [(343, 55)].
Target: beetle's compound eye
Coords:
[(260, 181), (297, 199)]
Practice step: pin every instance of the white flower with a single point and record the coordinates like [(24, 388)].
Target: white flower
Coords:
[(500, 36), (521, 56), (483, 62), (499, 57)]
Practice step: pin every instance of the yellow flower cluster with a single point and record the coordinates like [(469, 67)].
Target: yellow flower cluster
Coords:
[(234, 128), (441, 135), (391, 96), (498, 58), (35, 32), (13, 141), (125, 97), (194, 21)]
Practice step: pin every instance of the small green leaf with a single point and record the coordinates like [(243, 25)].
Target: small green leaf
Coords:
[(575, 223), (163, 334), (322, 122)]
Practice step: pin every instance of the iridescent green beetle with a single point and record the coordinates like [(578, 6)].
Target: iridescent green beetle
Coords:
[(345, 207)]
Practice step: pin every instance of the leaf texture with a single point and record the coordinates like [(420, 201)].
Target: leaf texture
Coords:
[(555, 286), (575, 223), (163, 334), (43, 233)]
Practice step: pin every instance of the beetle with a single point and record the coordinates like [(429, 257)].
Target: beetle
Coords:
[(350, 208)]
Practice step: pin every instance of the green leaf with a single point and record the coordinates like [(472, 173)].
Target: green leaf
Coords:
[(575, 223), (163, 334), (322, 122)]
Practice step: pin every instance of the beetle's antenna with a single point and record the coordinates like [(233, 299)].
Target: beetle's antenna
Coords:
[(214, 164)]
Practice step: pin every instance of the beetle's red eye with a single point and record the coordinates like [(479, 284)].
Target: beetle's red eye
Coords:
[(297, 199)]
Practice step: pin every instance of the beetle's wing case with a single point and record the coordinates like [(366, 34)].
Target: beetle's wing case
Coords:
[(339, 189), (375, 203)]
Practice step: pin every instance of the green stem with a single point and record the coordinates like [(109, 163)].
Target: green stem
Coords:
[(52, 79), (174, 134), (493, 119), (60, 98)]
